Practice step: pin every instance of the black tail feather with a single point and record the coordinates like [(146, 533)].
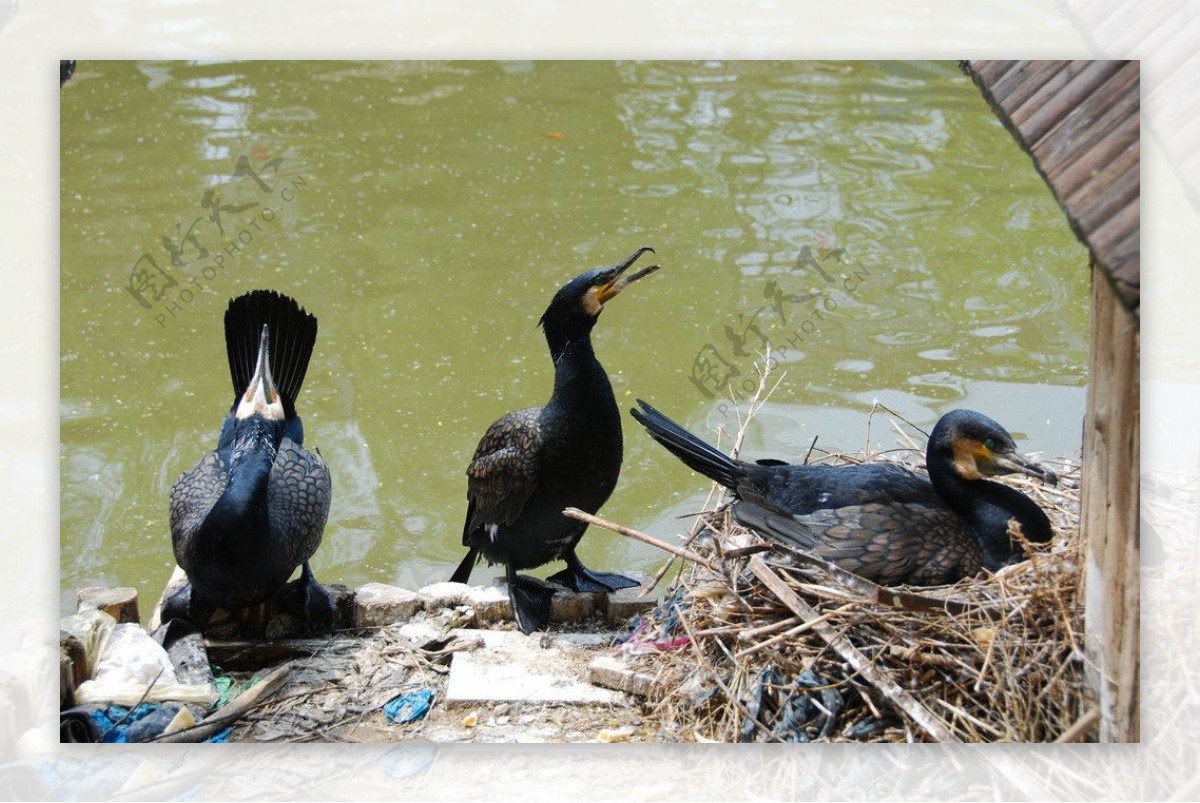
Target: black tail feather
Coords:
[(293, 335), (463, 573), (695, 453)]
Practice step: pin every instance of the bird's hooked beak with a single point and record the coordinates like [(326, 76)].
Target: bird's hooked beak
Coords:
[(261, 396), (614, 280), (1016, 463)]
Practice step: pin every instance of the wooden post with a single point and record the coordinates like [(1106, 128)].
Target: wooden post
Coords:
[(1109, 513), (119, 603)]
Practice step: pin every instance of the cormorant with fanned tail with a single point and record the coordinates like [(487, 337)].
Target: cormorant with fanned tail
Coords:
[(533, 463), (880, 520), (254, 509)]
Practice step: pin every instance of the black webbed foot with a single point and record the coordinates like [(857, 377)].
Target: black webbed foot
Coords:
[(309, 601), (185, 606), (530, 599), (581, 579)]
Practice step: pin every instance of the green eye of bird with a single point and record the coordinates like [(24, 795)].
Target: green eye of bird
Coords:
[(990, 443)]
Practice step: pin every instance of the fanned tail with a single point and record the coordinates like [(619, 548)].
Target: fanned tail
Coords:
[(293, 335), (695, 453)]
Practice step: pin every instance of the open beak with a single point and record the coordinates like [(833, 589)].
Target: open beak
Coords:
[(616, 281), (1017, 463)]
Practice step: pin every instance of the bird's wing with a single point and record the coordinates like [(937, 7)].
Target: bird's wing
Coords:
[(888, 543), (194, 494), (503, 473), (807, 488), (299, 490)]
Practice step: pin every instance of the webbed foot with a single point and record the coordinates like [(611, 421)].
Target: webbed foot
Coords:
[(530, 599), (309, 601), (581, 579), (186, 606)]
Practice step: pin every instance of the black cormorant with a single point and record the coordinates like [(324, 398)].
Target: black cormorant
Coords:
[(253, 509), (880, 520), (533, 463)]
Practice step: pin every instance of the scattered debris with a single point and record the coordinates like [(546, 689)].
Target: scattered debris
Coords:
[(405, 708)]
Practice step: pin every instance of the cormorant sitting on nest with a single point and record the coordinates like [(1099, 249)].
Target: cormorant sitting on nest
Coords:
[(533, 463), (254, 509), (880, 520)]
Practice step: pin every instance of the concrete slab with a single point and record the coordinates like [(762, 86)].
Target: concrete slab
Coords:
[(542, 667)]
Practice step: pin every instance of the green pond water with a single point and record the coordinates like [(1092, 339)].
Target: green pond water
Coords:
[(871, 222)]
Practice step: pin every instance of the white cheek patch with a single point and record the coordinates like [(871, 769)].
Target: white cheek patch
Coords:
[(591, 302)]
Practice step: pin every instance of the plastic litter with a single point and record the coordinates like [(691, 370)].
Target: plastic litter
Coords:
[(404, 708)]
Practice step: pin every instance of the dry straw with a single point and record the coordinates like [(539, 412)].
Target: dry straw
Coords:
[(757, 642)]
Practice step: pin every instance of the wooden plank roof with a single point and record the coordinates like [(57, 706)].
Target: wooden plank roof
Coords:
[(1080, 121)]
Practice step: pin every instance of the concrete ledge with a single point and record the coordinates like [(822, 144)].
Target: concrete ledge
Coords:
[(626, 603), (379, 604), (376, 604)]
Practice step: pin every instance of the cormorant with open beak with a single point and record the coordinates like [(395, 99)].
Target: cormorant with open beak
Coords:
[(533, 463)]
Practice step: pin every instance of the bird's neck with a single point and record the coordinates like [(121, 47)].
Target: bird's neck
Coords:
[(956, 492), (988, 506), (580, 382)]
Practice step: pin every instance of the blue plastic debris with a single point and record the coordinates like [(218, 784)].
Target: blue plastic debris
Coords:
[(118, 724), (404, 708), (221, 737), (120, 720)]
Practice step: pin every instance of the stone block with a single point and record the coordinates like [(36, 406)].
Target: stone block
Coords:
[(491, 604), (445, 595), (567, 606), (376, 604), (612, 673)]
